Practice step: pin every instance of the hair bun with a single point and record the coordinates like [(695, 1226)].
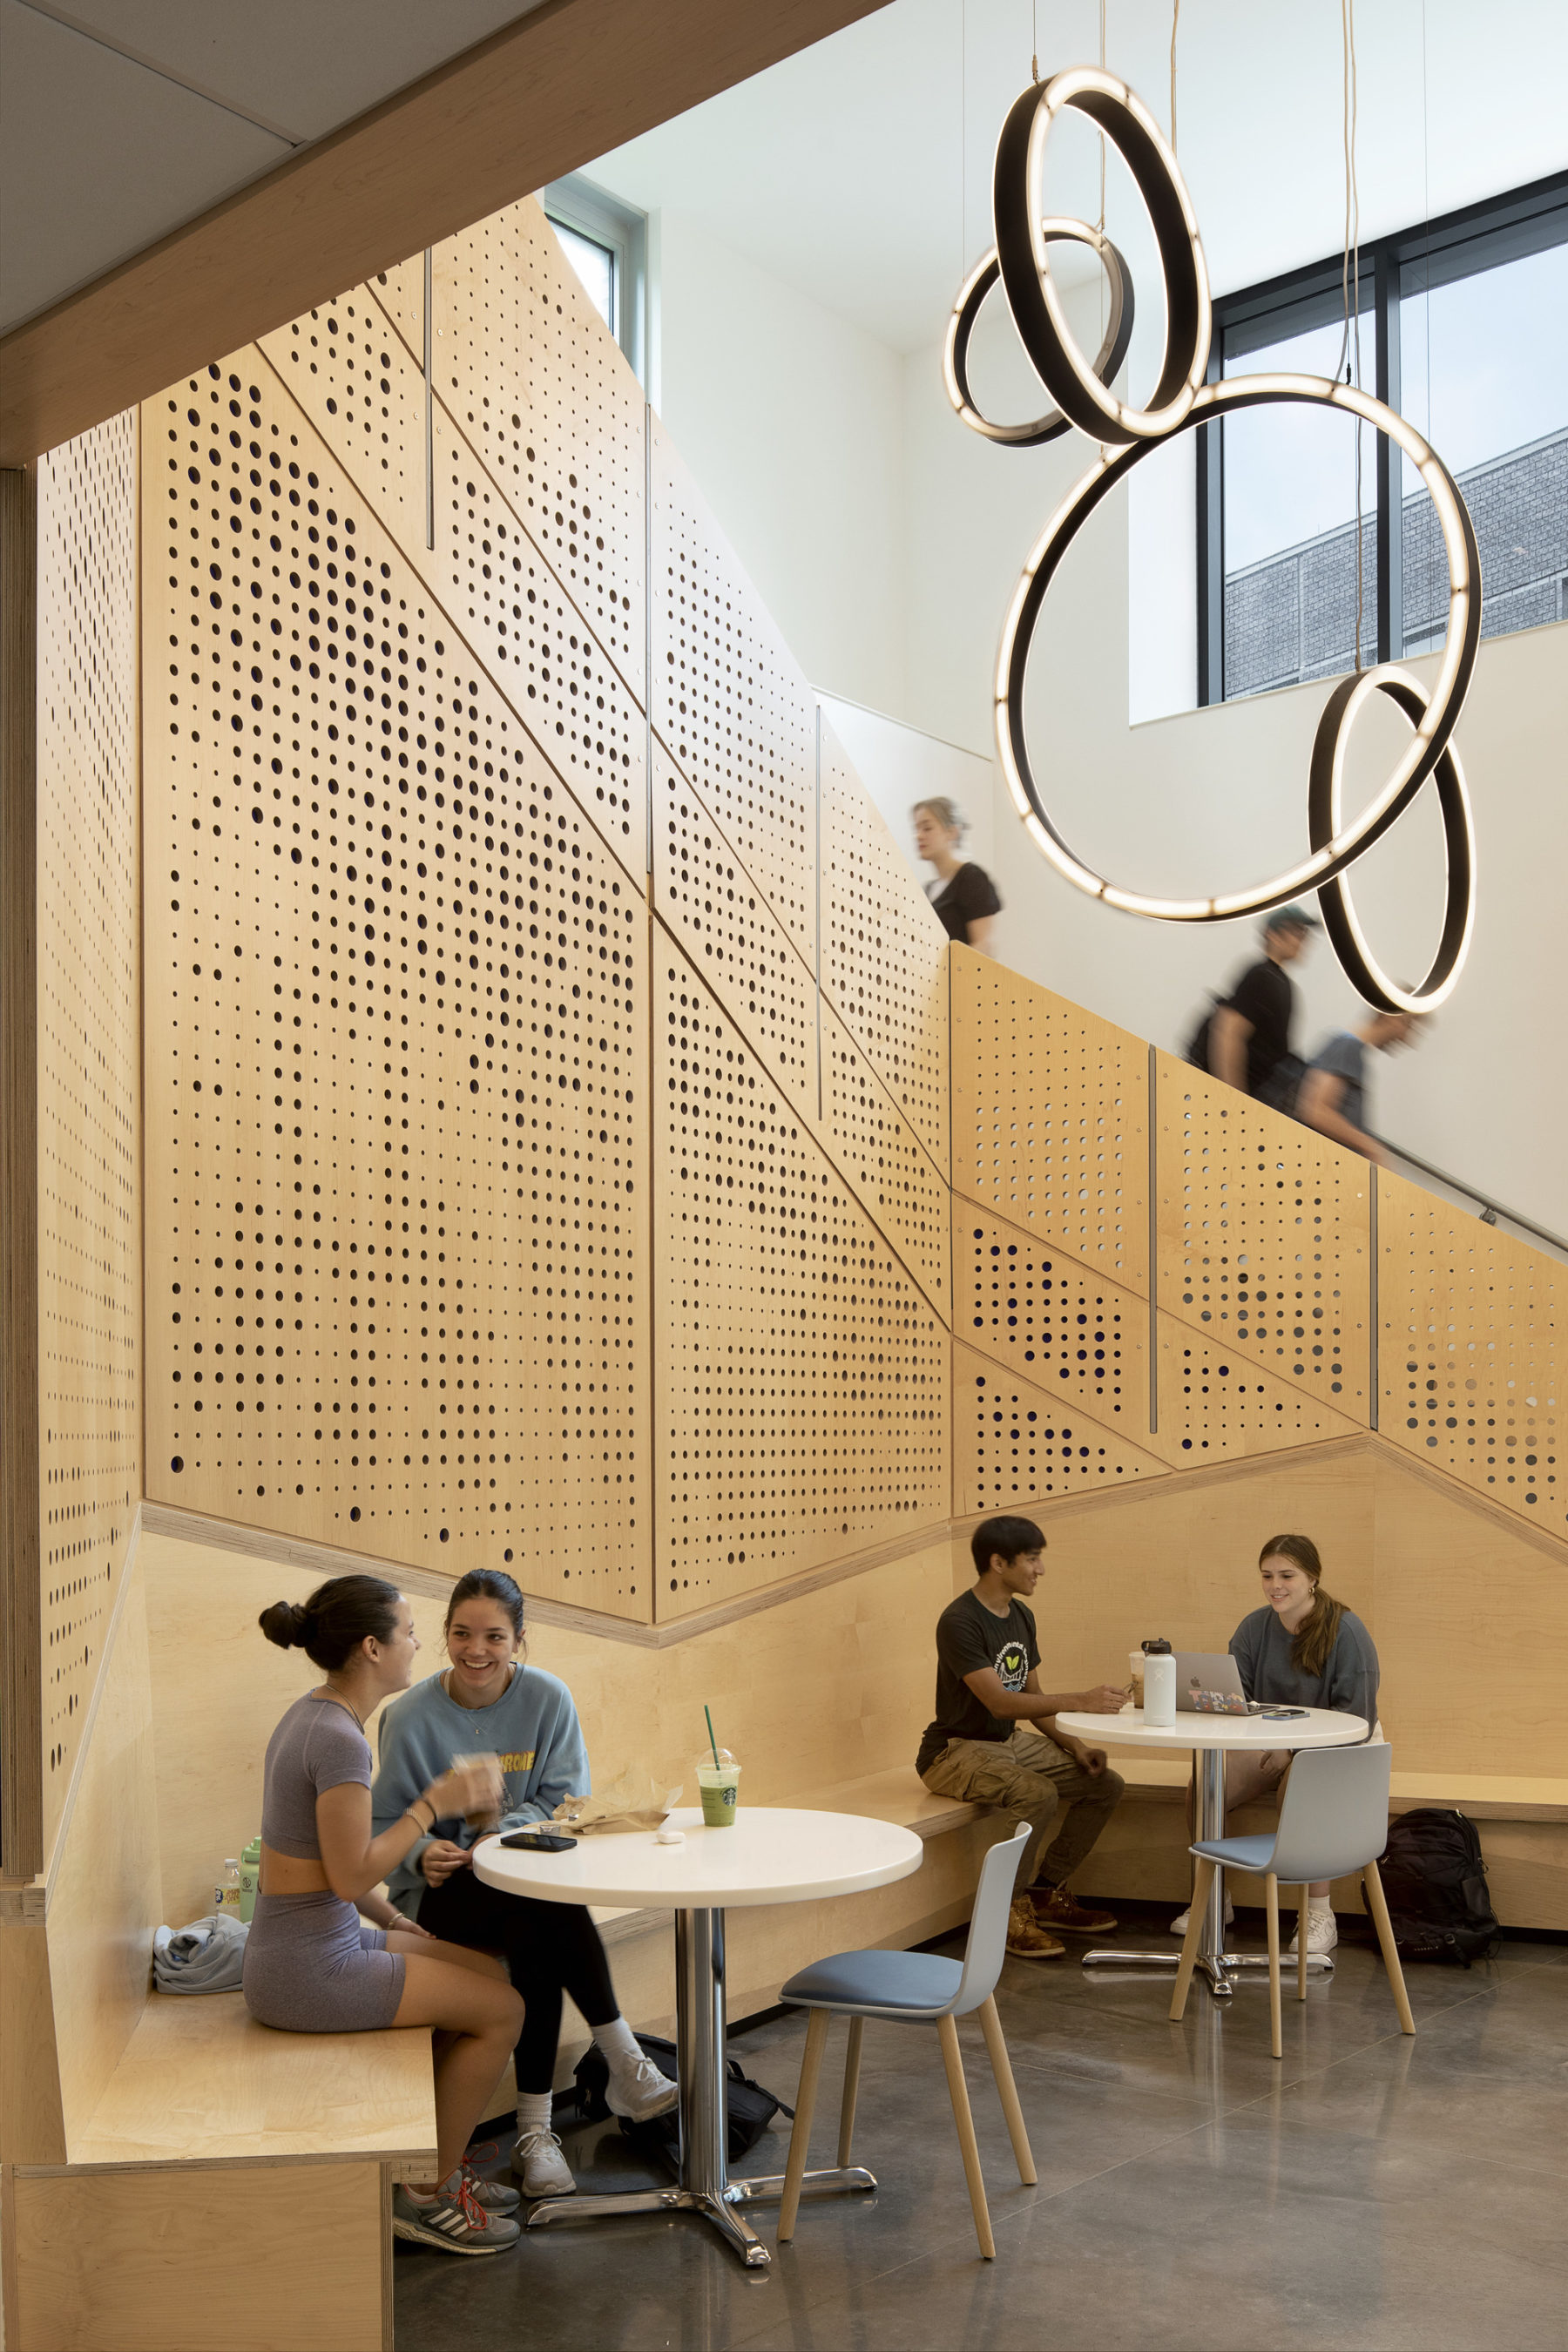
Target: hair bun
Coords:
[(287, 1623)]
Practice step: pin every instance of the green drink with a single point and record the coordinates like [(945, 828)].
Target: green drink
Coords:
[(720, 1785)]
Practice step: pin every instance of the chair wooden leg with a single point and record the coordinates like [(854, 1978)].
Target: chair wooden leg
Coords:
[(1201, 1886), (1377, 1903), (1276, 2023), (1006, 2091), (800, 2137), (1303, 1918), (957, 2090), (851, 2090)]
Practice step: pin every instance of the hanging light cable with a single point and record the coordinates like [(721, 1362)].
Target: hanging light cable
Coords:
[(1175, 20)]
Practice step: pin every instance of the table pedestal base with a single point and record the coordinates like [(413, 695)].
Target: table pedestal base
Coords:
[(703, 2185)]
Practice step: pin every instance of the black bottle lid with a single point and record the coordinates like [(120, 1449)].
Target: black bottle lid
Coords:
[(1156, 1649)]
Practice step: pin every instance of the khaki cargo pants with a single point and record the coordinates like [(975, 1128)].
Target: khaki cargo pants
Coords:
[(1031, 1778)]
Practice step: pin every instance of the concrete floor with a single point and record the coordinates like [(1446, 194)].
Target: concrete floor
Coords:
[(1370, 2192)]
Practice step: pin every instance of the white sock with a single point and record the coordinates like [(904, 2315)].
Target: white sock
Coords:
[(447, 2187), (1319, 1907), (619, 2044), (533, 2111)]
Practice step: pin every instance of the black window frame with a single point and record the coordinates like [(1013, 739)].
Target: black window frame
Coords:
[(1459, 245)]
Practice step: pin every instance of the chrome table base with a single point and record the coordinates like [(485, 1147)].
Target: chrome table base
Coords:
[(703, 2185)]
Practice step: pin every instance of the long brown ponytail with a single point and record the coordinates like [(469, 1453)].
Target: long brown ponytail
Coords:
[(1319, 1629)]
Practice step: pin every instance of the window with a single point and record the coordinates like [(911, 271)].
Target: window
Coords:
[(1463, 327), (607, 244)]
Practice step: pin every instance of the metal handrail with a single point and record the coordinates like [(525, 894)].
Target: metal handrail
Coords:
[(1490, 1210)]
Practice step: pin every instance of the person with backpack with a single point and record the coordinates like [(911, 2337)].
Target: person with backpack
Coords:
[(490, 1698), (1246, 1039), (1301, 1648)]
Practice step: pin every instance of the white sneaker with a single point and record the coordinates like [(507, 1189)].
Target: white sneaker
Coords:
[(1323, 1934), (1180, 1923), (538, 2163), (640, 2091)]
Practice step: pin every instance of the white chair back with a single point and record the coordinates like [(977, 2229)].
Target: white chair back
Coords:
[(1333, 1817), (987, 1943)]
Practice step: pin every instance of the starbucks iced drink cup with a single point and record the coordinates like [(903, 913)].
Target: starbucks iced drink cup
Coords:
[(488, 1816), (720, 1786)]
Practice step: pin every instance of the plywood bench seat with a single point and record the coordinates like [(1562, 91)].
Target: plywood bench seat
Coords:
[(201, 2082)]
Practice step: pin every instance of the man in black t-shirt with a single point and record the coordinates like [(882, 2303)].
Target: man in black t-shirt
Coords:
[(1249, 1033), (985, 1744)]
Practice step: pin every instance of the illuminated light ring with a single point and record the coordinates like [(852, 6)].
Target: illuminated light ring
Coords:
[(966, 311), (1344, 932), (1433, 727), (1023, 258)]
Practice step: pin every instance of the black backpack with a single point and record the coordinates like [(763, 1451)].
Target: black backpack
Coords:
[(1197, 1049), (748, 2109), (1436, 1885)]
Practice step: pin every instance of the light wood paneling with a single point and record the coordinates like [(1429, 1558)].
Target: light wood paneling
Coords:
[(1050, 1108), (538, 100), (88, 1060), (1471, 1352), (1215, 1402), (895, 1179), (32, 2123), (364, 391), (200, 2082), (801, 1379), (884, 951), (1263, 1237), (1016, 1443), (323, 1097), (106, 1898), (728, 701), (1064, 1328), (139, 2260), (549, 404)]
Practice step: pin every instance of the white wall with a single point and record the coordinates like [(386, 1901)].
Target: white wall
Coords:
[(790, 418), (898, 766)]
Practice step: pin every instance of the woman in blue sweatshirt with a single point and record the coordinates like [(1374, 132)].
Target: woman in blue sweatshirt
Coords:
[(488, 1698)]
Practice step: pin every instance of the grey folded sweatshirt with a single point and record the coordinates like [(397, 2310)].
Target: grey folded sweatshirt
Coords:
[(206, 1956)]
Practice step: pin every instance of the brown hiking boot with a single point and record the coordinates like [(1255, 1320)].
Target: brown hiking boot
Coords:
[(1026, 1940), (1054, 1907)]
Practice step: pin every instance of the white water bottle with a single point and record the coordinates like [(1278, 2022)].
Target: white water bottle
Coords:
[(1158, 1685)]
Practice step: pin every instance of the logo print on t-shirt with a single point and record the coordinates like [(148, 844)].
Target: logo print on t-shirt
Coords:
[(1012, 1665)]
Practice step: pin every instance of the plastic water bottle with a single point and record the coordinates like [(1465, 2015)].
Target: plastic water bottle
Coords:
[(1158, 1685), (226, 1892)]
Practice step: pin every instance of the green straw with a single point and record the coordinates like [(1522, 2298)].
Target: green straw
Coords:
[(712, 1743)]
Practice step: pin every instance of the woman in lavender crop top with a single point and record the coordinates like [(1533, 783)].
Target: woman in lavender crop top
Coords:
[(310, 1964)]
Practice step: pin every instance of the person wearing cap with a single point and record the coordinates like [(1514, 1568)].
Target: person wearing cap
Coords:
[(1250, 1032)]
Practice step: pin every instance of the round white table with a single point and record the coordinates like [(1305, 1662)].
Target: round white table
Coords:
[(1212, 1736), (771, 1855)]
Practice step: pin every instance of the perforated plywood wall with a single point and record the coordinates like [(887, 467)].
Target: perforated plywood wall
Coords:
[(90, 1043), (397, 976), (1470, 1354), (1050, 1117), (802, 1381), (1059, 1325), (1014, 1442), (1264, 1238)]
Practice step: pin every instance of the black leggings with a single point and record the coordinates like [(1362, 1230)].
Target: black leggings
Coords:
[(547, 1948)]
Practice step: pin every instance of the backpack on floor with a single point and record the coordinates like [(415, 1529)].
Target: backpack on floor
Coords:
[(748, 2109), (1435, 1882)]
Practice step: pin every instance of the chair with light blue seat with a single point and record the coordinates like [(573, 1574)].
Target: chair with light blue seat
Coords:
[(915, 1989), (1333, 1823)]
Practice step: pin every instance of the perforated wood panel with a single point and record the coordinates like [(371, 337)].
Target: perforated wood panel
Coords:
[(90, 1288), (1263, 1236), (1215, 1402), (364, 391), (1076, 1336), (729, 703), (884, 963), (1015, 1443), (1470, 1352), (801, 1376), (893, 1176), (1050, 1116), (549, 402), (706, 898), (397, 1287)]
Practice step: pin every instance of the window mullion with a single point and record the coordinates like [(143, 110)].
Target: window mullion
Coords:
[(1390, 483)]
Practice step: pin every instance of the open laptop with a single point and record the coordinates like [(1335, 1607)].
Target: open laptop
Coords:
[(1207, 1685)]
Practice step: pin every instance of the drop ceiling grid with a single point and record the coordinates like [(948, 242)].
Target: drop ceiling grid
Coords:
[(397, 1266)]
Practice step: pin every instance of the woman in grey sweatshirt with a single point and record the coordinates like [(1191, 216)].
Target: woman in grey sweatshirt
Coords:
[(489, 1699)]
